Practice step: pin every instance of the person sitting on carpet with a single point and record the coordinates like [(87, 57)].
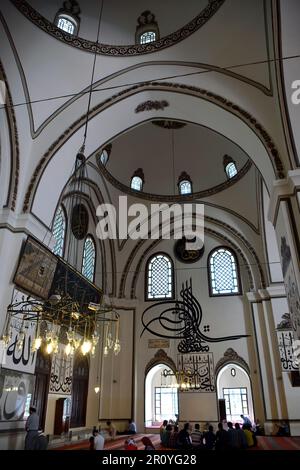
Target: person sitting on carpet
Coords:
[(147, 443), (130, 430), (111, 429), (162, 429), (130, 444), (282, 429), (165, 438), (98, 440)]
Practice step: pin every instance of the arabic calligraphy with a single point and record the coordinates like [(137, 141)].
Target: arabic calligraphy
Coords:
[(61, 373), (21, 358), (286, 351), (187, 256), (15, 395), (182, 320), (198, 372)]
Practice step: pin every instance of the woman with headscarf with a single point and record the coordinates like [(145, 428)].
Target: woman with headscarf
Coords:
[(147, 443)]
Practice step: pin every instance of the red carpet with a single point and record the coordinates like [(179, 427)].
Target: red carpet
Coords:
[(117, 444), (278, 443), (264, 443)]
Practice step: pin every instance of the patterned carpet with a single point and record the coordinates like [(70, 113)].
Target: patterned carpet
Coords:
[(117, 444), (264, 443), (278, 443)]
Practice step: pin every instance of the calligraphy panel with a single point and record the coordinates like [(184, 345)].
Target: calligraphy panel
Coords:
[(287, 357), (36, 269), (198, 370), (61, 373), (289, 257), (21, 358), (16, 390)]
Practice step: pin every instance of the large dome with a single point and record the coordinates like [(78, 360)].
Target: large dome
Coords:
[(167, 149)]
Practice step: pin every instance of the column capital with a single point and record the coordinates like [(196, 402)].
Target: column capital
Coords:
[(253, 297), (27, 224), (283, 188)]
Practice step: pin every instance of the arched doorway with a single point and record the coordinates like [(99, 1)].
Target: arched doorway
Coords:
[(79, 391), (234, 386), (161, 395)]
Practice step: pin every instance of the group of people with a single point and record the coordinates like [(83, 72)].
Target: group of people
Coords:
[(97, 440), (234, 437)]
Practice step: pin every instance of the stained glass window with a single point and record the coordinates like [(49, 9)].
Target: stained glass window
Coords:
[(159, 277), (89, 257), (148, 36), (223, 272), (59, 231)]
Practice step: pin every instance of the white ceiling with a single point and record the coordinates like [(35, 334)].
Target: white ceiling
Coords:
[(199, 151)]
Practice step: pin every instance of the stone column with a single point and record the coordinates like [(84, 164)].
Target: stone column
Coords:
[(284, 213)]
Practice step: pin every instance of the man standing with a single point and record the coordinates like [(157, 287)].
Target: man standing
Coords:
[(32, 428), (246, 421)]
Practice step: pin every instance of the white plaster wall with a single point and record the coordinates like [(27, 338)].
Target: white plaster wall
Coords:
[(290, 35), (241, 379)]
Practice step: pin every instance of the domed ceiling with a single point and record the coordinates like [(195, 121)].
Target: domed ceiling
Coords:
[(119, 20), (165, 150)]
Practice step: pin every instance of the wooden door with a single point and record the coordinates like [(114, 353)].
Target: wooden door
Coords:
[(79, 391), (41, 389)]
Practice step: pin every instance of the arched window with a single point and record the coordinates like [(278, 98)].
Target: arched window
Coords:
[(137, 180), (89, 258), (223, 272), (184, 184), (147, 28), (231, 170), (185, 187), (229, 167), (148, 36), (59, 231), (67, 18), (136, 183), (159, 281), (104, 154), (66, 24), (104, 157)]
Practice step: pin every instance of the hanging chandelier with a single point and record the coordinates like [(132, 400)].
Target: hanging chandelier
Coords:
[(61, 320), (63, 307)]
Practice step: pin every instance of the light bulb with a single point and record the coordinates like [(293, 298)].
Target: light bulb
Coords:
[(97, 389), (49, 348), (37, 343), (86, 347), (110, 342), (69, 350), (105, 352), (117, 347), (95, 338), (6, 339)]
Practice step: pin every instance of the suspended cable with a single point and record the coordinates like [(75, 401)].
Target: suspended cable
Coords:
[(168, 77)]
